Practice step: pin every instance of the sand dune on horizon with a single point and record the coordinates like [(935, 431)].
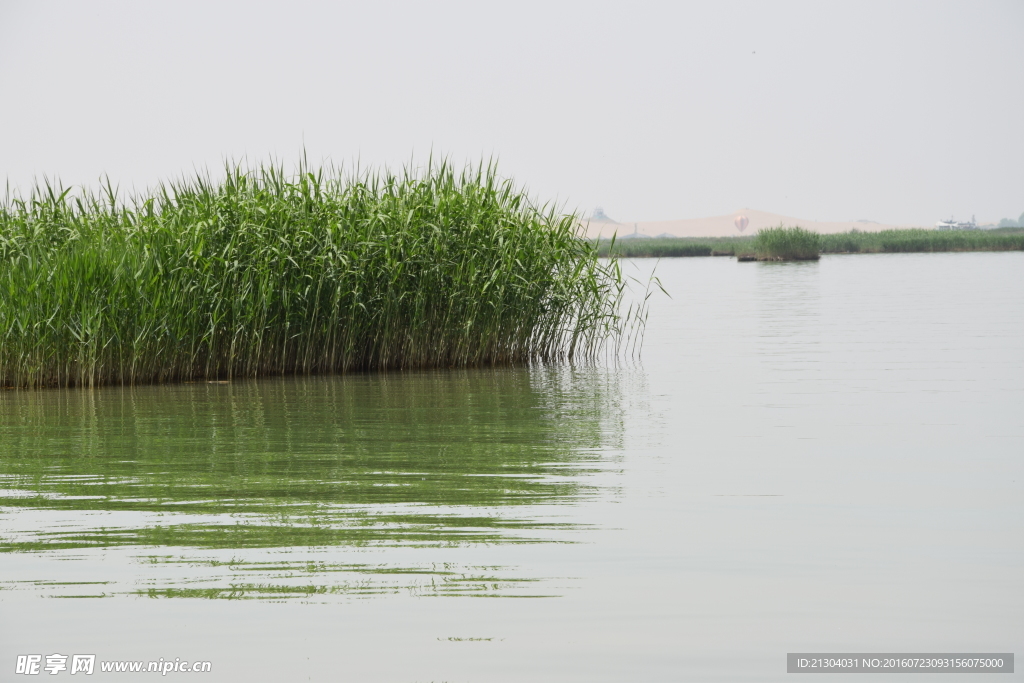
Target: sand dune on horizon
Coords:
[(723, 226)]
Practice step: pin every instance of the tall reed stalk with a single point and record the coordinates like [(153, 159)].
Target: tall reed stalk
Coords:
[(787, 244), (265, 273)]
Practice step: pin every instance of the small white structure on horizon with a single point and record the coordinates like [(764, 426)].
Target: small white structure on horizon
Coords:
[(956, 225), (600, 215), (636, 234)]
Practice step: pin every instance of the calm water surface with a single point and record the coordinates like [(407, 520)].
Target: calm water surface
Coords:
[(809, 457)]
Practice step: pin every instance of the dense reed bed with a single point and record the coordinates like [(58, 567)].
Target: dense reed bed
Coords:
[(887, 241), (657, 247), (265, 273), (902, 241), (787, 244)]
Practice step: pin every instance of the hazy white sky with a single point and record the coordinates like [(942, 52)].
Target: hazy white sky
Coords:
[(899, 112)]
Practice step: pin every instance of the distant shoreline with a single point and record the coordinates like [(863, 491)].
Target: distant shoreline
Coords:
[(910, 240), (739, 223)]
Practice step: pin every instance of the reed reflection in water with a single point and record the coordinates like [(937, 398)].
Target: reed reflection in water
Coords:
[(302, 486)]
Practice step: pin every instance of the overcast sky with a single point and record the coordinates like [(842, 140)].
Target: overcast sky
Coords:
[(899, 112)]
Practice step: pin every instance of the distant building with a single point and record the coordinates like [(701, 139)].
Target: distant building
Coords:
[(636, 234), (956, 225)]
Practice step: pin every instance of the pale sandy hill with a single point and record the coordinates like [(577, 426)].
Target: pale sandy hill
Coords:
[(723, 226)]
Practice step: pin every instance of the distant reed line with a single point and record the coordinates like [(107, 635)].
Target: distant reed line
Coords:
[(886, 241), (266, 272)]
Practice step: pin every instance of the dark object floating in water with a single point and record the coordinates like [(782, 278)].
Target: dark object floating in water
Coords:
[(786, 258)]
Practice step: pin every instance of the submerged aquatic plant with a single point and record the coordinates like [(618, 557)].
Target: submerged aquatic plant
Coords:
[(266, 273), (787, 244)]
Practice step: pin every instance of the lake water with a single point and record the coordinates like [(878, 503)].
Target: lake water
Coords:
[(811, 457)]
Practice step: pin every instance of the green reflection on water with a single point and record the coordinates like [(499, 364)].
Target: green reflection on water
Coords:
[(434, 459), (298, 579)]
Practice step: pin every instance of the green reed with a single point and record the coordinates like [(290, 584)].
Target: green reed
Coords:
[(657, 247), (918, 240), (787, 244), (269, 273), (853, 242)]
